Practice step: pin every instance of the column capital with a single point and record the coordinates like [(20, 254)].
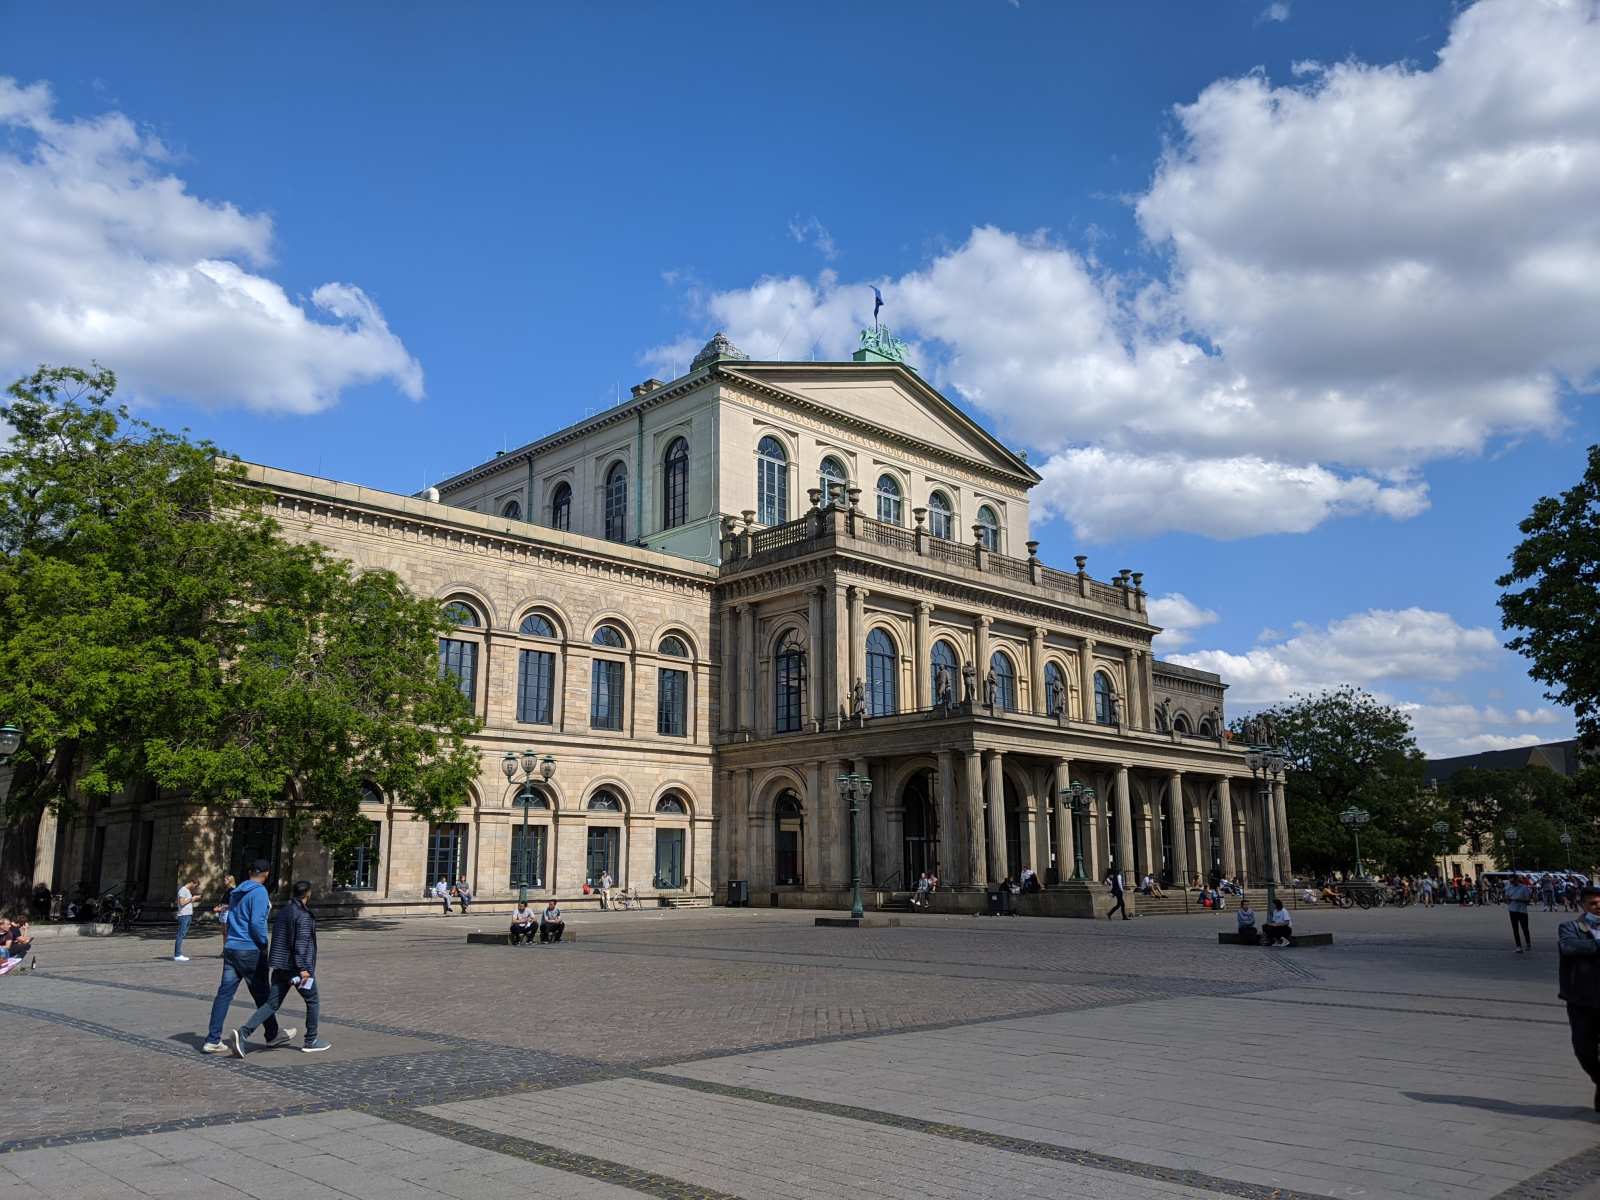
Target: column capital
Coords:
[(983, 619), (924, 606), (1175, 774), (857, 592), (1088, 640), (1038, 633)]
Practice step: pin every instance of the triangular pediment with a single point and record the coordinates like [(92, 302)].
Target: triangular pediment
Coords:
[(890, 397)]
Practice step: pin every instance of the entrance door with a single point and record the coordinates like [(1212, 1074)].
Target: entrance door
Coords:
[(921, 825), (1014, 858), (788, 841), (669, 858), (604, 851)]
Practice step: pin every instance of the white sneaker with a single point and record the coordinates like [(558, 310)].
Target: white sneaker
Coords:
[(180, 958), (214, 1048), (285, 1035)]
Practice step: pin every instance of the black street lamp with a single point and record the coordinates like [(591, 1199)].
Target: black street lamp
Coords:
[(1079, 800), (1266, 764), (1566, 850), (1510, 833), (1353, 819), (1442, 828), (528, 766), (855, 788)]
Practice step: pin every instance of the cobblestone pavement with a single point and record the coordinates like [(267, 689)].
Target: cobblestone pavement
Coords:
[(747, 1053)]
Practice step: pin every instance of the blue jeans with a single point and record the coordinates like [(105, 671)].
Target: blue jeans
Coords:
[(283, 982), (183, 932), (248, 967)]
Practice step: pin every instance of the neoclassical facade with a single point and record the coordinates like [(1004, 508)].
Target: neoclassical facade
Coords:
[(711, 601)]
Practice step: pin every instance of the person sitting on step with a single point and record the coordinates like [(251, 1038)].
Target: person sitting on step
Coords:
[(522, 924)]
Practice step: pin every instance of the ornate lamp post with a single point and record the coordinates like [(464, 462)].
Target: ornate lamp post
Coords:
[(1566, 850), (10, 742), (1266, 763), (854, 789), (1079, 800), (520, 773), (1353, 819), (1510, 834), (1442, 828)]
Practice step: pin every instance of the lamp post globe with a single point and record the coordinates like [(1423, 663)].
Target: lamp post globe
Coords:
[(10, 740), (508, 766), (1510, 834), (1566, 850)]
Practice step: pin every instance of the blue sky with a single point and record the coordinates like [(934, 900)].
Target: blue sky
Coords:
[(1296, 296)]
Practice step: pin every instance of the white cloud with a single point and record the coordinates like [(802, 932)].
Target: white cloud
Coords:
[(814, 233), (1278, 10), (107, 256), (1364, 270), (1178, 617)]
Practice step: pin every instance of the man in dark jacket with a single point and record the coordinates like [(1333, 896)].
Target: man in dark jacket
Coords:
[(294, 965), (244, 956), (1580, 984)]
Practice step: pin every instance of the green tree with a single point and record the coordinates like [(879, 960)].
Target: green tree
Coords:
[(1557, 613), (1348, 749), (160, 636), (1538, 803)]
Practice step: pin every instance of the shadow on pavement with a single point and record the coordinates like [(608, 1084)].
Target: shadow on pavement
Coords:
[(1546, 1112)]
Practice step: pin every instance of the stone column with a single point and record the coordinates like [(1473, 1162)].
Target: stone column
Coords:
[(1230, 864), (1177, 832), (1093, 830), (950, 859), (1036, 672), (817, 709), (1124, 828), (1280, 810), (980, 658), (838, 660), (858, 638), (738, 865), (729, 700), (995, 790), (1066, 822), (1086, 679), (1131, 704), (977, 863), (814, 836), (921, 649), (749, 664)]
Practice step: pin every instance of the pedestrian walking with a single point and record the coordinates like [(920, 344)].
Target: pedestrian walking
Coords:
[(244, 957), (185, 916), (293, 963), (1580, 983), (1518, 893), (1118, 896)]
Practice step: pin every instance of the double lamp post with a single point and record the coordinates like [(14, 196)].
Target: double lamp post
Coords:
[(520, 772)]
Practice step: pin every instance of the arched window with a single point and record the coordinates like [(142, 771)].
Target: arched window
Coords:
[(1105, 710), (941, 517), (532, 798), (1005, 681), (608, 681), (672, 692), (537, 625), (609, 636), (561, 507), (944, 659), (512, 510), (617, 503), (833, 480), (671, 844), (675, 485), (889, 500), (789, 684), (1180, 724), (989, 529), (604, 801), (1207, 729), (788, 849), (462, 614), (772, 482), (672, 806), (1055, 689), (883, 669)]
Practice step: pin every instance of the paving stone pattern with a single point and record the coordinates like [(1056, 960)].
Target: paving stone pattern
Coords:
[(718, 1054)]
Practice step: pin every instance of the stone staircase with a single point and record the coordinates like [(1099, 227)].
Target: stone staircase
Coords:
[(896, 902), (687, 901), (1177, 903)]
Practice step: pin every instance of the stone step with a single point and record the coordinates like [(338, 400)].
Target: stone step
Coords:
[(688, 901)]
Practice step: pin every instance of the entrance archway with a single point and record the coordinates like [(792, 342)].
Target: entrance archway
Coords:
[(788, 841), (921, 823)]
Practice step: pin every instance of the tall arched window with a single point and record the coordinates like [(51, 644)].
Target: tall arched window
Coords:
[(788, 849), (1055, 689), (834, 481), (608, 679), (1180, 724), (944, 658), (883, 670), (941, 517), (772, 482), (675, 485), (890, 504), (617, 502), (536, 674), (561, 507), (1105, 711), (672, 692), (989, 529), (1005, 680), (788, 684), (511, 510)]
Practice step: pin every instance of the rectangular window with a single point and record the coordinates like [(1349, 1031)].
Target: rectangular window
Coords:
[(788, 691), (603, 844), (669, 858), (458, 660), (672, 703), (536, 685), (447, 853), (254, 838), (527, 855), (606, 694), (357, 871)]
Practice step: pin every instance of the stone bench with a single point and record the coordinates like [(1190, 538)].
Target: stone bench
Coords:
[(1297, 939), (504, 939)]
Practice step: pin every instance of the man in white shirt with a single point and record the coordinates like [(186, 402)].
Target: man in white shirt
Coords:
[(522, 922), (606, 884), (441, 893), (1280, 928), (185, 915)]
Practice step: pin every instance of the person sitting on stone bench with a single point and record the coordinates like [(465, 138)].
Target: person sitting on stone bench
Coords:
[(1280, 928), (1245, 923), (522, 924), (550, 923)]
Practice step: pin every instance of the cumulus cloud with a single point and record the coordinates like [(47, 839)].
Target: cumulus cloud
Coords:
[(107, 256), (1358, 272), (1178, 617)]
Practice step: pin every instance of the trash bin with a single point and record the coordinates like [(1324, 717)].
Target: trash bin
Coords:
[(738, 893), (997, 901)]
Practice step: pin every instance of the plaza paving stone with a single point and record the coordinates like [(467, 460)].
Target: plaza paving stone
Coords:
[(747, 1053)]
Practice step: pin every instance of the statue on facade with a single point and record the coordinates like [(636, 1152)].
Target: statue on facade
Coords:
[(991, 690), (858, 701), (1058, 707), (969, 683), (942, 688), (1164, 713)]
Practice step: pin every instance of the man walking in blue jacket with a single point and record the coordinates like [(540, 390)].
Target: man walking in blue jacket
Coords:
[(244, 957), (294, 965)]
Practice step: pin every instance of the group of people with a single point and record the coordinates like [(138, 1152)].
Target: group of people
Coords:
[(460, 891), (927, 885), (269, 967), (16, 944), (548, 924), (1278, 931)]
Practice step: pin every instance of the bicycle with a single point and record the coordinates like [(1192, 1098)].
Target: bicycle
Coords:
[(626, 899)]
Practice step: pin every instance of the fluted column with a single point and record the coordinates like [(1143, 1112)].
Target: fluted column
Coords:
[(977, 863), (1131, 705), (1066, 822), (816, 708), (1225, 819), (995, 789), (858, 637), (1280, 808), (980, 658), (1086, 679), (949, 860), (1124, 828), (1178, 833), (838, 621), (1036, 671), (728, 715), (749, 665), (921, 650)]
